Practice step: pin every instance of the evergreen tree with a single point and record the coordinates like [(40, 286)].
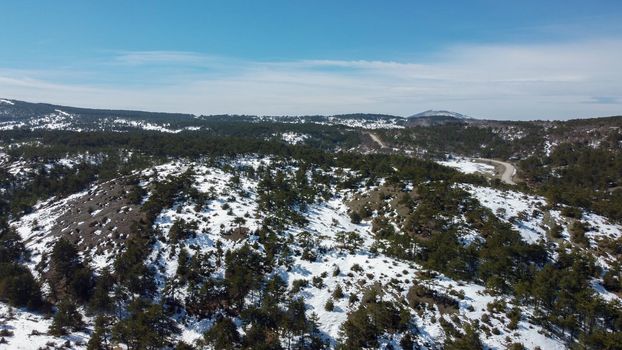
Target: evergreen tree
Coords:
[(19, 287), (223, 335), (68, 275), (469, 341), (181, 345), (147, 326), (295, 322), (183, 260), (243, 273), (101, 302), (11, 246), (100, 339), (66, 319)]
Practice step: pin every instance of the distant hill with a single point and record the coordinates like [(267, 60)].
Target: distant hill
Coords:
[(20, 110), (436, 113), (16, 114), (434, 117)]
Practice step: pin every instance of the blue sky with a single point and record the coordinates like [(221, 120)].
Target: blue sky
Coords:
[(501, 59)]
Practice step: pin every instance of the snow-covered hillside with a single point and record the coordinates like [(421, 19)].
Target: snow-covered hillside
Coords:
[(230, 218), (532, 217)]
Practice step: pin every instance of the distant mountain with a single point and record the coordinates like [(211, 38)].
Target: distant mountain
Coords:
[(434, 113), (433, 117)]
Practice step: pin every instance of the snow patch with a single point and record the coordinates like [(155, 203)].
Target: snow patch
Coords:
[(468, 166)]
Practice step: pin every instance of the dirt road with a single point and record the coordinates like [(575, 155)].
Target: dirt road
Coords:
[(377, 140), (508, 169), (507, 173)]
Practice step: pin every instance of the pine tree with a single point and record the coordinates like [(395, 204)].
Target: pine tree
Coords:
[(11, 246), (101, 300), (274, 292), (313, 339), (19, 287), (243, 273), (67, 319), (68, 274), (100, 339), (469, 341), (183, 259), (146, 327), (223, 335), (294, 322)]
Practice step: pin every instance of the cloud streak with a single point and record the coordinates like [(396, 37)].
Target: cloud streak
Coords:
[(497, 81)]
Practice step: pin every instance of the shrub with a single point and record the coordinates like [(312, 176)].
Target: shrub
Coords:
[(611, 281), (418, 296), (355, 217), (338, 292), (577, 233), (318, 282), (514, 315), (572, 212), (356, 268), (336, 271), (555, 231), (299, 284)]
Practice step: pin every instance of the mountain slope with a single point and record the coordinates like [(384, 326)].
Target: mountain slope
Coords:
[(221, 210)]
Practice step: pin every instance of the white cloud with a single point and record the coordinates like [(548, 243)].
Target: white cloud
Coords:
[(527, 81), (150, 57)]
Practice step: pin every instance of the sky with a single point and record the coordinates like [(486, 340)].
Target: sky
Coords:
[(497, 59)]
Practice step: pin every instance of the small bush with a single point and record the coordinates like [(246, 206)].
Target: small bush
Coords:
[(356, 268), (572, 212), (338, 292), (355, 218), (329, 306), (298, 285), (318, 282), (336, 271)]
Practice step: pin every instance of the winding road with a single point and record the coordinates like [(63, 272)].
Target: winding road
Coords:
[(507, 174), (508, 169)]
